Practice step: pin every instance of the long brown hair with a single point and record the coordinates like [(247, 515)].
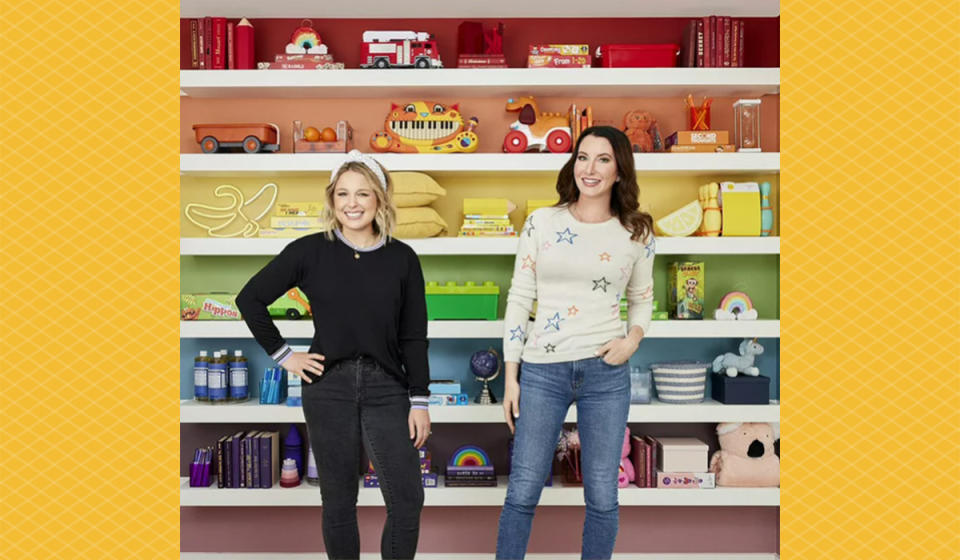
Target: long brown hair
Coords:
[(624, 198)]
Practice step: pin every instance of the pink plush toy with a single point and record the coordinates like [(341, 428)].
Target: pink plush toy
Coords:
[(746, 457), (627, 474)]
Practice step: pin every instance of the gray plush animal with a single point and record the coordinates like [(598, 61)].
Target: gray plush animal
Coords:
[(732, 363)]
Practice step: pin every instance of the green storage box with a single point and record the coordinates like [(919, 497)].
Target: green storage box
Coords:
[(468, 301)]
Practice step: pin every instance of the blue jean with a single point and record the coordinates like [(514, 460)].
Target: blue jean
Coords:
[(602, 395)]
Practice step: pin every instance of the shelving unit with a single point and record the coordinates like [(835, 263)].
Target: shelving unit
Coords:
[(556, 495), (192, 412), (197, 246), (226, 165), (494, 329), (279, 85), (484, 82)]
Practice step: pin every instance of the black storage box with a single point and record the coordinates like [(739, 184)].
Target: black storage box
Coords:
[(742, 389)]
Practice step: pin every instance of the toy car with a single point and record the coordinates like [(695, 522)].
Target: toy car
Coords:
[(292, 305), (251, 137)]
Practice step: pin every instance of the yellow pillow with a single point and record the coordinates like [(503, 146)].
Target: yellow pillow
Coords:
[(411, 189), (415, 223)]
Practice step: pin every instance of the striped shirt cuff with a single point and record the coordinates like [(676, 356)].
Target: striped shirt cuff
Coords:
[(282, 354), (420, 402)]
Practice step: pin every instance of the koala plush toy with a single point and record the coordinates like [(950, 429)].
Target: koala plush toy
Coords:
[(747, 457)]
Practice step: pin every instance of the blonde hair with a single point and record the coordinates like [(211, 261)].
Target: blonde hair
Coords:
[(385, 220)]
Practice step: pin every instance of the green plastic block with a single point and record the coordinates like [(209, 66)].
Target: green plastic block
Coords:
[(468, 301)]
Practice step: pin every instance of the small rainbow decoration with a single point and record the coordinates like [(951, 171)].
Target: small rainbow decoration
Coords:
[(470, 456), (306, 38), (736, 303)]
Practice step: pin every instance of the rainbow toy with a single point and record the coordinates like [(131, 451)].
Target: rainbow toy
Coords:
[(735, 306), (306, 40), (470, 456)]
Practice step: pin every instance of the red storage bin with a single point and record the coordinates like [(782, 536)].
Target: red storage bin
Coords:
[(638, 56)]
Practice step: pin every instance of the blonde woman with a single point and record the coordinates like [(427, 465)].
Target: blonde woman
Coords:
[(366, 374)]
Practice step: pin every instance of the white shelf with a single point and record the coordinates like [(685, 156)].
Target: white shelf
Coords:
[(231, 165), (474, 246), (192, 412), (481, 82), (431, 9), (494, 329), (557, 495)]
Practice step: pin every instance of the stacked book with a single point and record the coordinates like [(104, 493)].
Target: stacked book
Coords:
[(470, 475), (481, 61), (294, 219), (309, 61), (248, 460), (700, 141), (713, 42), (487, 217)]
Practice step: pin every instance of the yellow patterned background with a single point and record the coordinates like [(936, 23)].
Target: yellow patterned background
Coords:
[(870, 286)]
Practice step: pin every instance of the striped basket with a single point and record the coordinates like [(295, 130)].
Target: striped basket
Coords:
[(680, 382)]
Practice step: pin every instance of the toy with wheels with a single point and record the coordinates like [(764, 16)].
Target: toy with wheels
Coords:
[(250, 137), (536, 131), (292, 305)]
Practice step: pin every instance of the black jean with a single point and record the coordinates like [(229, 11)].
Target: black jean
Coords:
[(356, 402)]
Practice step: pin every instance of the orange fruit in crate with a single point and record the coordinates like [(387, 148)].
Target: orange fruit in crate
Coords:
[(311, 134), (328, 135)]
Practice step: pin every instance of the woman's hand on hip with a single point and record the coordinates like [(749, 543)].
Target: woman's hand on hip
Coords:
[(618, 350), (302, 362), (419, 423)]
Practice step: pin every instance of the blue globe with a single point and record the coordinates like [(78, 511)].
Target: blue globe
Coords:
[(485, 364)]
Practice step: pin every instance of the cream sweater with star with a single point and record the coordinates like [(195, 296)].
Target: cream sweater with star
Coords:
[(577, 273)]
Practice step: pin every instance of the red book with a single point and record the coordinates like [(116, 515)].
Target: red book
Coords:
[(740, 45), (219, 43), (734, 43), (651, 461), (208, 42), (688, 54), (699, 43), (726, 42), (194, 45), (707, 43), (231, 48)]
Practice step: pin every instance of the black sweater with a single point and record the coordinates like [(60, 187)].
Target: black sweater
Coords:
[(372, 306)]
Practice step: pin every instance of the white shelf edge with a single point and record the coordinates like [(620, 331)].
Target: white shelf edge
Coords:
[(192, 412), (201, 246), (483, 82), (225, 165), (494, 329), (557, 495)]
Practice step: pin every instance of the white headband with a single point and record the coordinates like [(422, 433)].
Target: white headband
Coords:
[(367, 161)]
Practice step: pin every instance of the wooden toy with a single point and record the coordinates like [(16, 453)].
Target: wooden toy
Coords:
[(292, 305), (735, 306), (681, 223), (342, 143), (746, 125), (426, 127), (469, 301), (712, 217), (686, 289), (239, 217), (641, 128), (539, 131), (766, 211), (251, 137), (399, 49), (740, 203)]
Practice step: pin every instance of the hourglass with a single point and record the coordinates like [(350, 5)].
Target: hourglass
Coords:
[(746, 125)]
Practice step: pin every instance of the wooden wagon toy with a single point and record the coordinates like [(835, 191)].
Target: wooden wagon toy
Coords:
[(251, 137)]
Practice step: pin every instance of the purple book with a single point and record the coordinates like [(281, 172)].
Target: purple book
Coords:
[(266, 477), (235, 459), (255, 444)]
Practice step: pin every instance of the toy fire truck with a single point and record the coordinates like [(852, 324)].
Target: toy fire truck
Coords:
[(399, 49)]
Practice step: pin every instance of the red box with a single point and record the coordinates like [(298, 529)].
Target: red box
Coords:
[(639, 56)]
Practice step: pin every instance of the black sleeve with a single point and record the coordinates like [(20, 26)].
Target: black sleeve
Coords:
[(278, 276), (413, 330)]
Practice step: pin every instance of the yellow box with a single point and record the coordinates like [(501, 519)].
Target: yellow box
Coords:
[(740, 204)]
